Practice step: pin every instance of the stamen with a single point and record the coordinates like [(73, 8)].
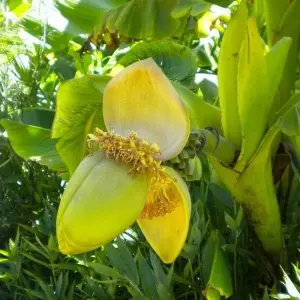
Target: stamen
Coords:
[(161, 199), (130, 150)]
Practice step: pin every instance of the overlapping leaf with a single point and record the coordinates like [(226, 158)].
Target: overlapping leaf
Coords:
[(79, 111)]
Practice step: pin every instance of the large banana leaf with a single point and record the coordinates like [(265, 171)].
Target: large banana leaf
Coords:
[(34, 143), (67, 19), (178, 62), (79, 111)]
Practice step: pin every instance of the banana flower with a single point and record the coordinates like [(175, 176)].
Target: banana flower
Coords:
[(123, 180)]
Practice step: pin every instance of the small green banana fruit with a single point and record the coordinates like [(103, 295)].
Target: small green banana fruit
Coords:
[(187, 164)]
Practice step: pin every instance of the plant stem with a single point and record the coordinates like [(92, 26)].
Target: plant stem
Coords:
[(217, 146)]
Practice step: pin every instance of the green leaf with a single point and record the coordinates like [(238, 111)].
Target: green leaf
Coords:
[(163, 292), (104, 270), (223, 3), (69, 266), (12, 4), (209, 90), (39, 117), (273, 15), (191, 247), (252, 93), (59, 285), (97, 290), (230, 222), (64, 67), (178, 62), (36, 248), (71, 291), (152, 16), (275, 62), (34, 143), (48, 292), (201, 113), (289, 123), (266, 295), (79, 111), (194, 7), (291, 288), (204, 57), (212, 294), (84, 15), (158, 270), (14, 245), (215, 266), (32, 258), (227, 74), (122, 260), (148, 280), (289, 27), (18, 7), (36, 294), (35, 27)]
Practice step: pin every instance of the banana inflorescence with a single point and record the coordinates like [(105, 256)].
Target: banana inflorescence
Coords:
[(187, 163)]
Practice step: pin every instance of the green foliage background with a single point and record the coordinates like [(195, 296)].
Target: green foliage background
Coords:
[(222, 256)]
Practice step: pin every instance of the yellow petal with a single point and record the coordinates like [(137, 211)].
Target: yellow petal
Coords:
[(100, 202), (167, 234), (141, 99)]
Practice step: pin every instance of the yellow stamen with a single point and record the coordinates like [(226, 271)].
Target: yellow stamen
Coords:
[(130, 149), (161, 199)]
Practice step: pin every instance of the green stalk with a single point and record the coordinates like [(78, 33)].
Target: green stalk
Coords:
[(218, 147), (254, 188), (255, 191)]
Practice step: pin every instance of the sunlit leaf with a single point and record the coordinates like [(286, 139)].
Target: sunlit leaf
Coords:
[(35, 143), (201, 113), (216, 269), (78, 112), (39, 117), (83, 15), (148, 280), (122, 260), (18, 7)]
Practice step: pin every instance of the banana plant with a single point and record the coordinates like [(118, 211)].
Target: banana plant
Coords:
[(250, 76)]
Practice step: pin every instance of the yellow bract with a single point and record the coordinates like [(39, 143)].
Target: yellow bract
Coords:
[(100, 205), (141, 99), (167, 232), (124, 180)]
